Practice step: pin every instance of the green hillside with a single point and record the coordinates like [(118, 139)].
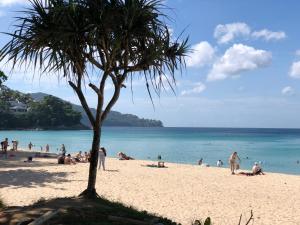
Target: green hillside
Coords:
[(42, 111)]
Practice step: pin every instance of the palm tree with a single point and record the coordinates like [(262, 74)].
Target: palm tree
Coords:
[(115, 39)]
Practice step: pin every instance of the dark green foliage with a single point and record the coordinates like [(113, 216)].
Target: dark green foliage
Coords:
[(100, 212), (49, 113), (129, 120), (3, 77), (52, 112)]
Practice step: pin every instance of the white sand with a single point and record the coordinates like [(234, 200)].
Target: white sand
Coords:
[(180, 192)]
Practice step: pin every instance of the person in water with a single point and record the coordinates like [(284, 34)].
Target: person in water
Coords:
[(233, 162)]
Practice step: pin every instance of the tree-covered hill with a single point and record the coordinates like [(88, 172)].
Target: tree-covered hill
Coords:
[(114, 118), (42, 111), (21, 111)]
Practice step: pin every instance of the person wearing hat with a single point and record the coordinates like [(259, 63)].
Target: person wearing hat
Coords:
[(257, 170)]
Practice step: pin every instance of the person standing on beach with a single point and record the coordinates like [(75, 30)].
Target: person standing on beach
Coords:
[(233, 162), (63, 149), (47, 148), (102, 155), (5, 145), (15, 145), (30, 145)]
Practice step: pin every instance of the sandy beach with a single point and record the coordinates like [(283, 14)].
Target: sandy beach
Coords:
[(180, 192)]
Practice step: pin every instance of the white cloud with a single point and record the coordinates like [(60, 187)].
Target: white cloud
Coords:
[(297, 53), (10, 2), (198, 88), (295, 70), (288, 91), (225, 33), (269, 35), (203, 53), (237, 59)]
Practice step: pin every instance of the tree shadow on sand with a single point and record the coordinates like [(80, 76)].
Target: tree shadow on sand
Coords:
[(16, 163), (30, 178)]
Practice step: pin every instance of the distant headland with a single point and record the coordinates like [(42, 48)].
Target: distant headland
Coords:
[(40, 111)]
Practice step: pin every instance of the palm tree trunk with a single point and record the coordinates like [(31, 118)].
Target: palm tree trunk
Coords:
[(90, 192)]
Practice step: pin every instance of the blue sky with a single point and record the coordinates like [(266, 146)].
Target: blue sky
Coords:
[(244, 71)]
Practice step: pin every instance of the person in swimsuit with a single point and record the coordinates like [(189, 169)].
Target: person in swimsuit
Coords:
[(233, 162)]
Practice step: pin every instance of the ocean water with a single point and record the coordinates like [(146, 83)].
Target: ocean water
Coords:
[(277, 149)]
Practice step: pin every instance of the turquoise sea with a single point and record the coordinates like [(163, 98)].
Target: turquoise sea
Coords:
[(277, 149)]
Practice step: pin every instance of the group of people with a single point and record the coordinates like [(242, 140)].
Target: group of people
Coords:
[(47, 147), (67, 159), (234, 164), (64, 158), (5, 144)]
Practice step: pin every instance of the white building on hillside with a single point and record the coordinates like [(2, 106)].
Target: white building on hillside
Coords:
[(17, 107)]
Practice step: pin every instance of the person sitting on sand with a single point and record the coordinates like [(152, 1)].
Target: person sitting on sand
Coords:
[(257, 170), (123, 156), (61, 159), (233, 162), (200, 162), (69, 160), (219, 163), (79, 157)]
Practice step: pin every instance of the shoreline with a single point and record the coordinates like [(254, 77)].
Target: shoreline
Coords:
[(55, 154), (180, 192)]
